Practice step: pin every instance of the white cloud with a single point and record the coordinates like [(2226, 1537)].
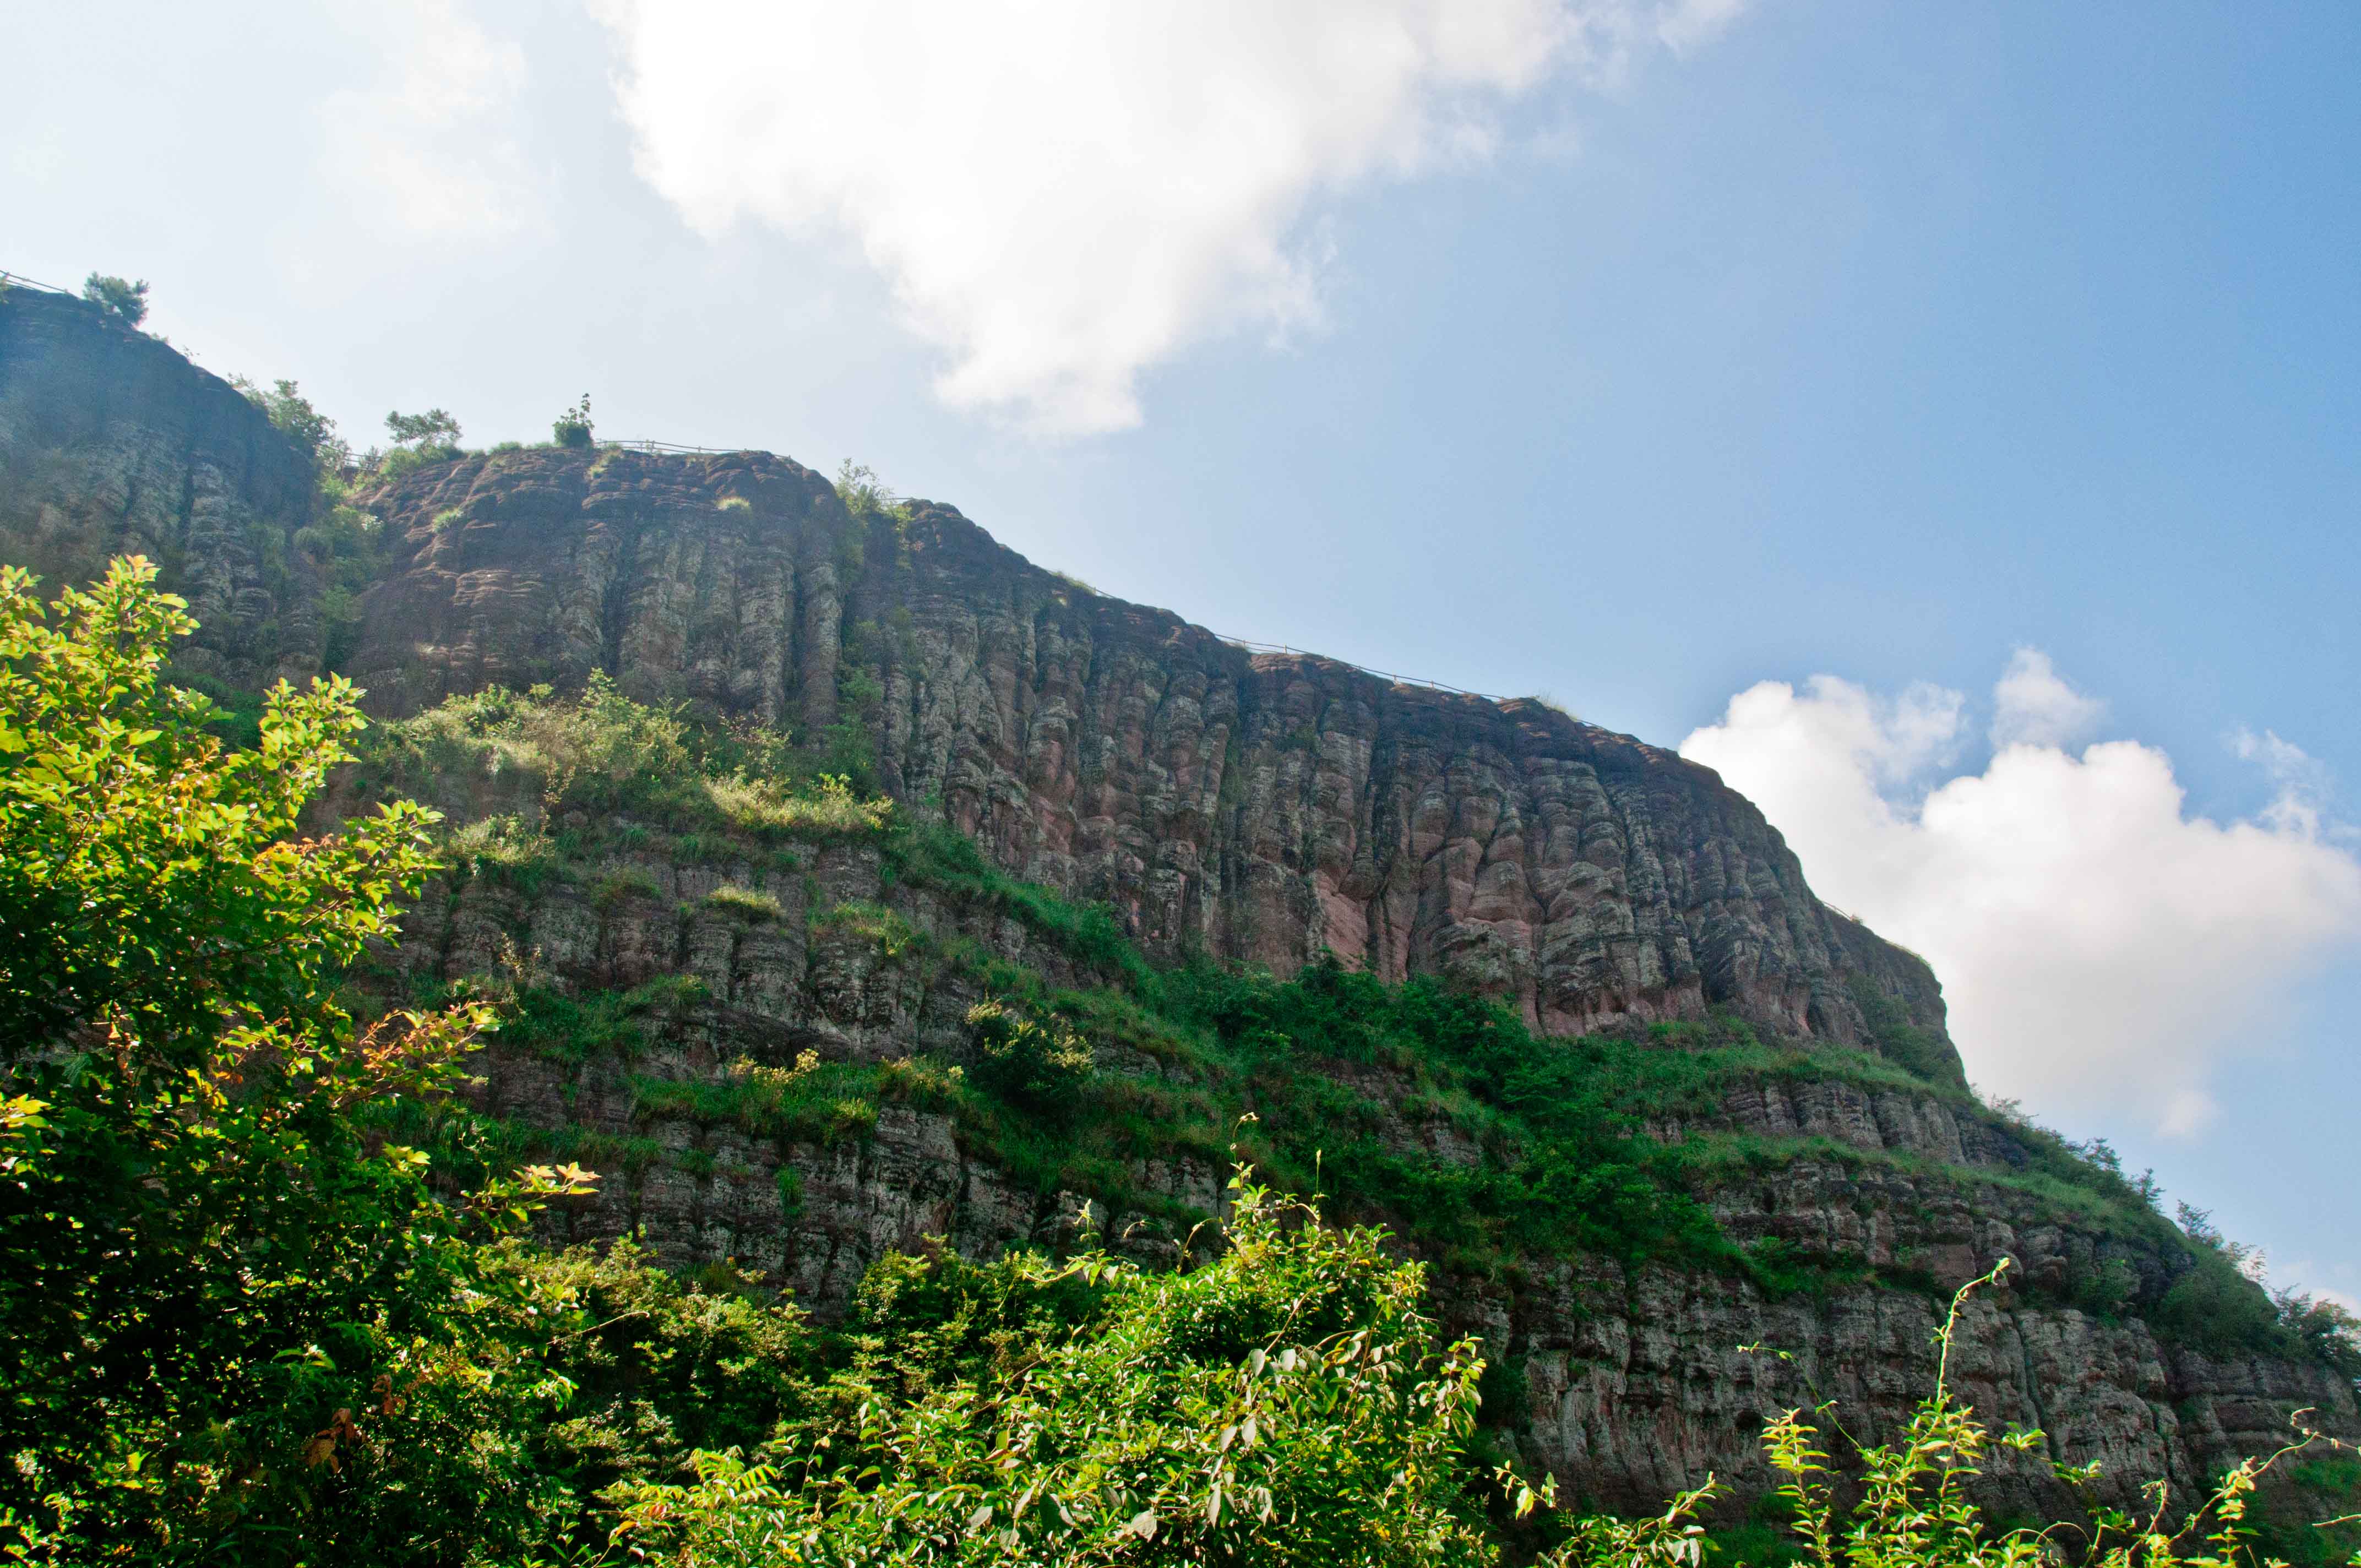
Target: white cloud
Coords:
[(427, 151), (1065, 192), (1691, 24), (2100, 947), (2302, 781), (2034, 707)]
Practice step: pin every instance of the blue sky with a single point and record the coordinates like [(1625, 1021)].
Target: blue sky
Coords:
[(1639, 354)]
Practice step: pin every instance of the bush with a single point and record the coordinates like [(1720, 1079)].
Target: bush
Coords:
[(578, 1028), (292, 412), (503, 848), (1290, 1402), (573, 428), (1040, 1064), (606, 754), (810, 1101)]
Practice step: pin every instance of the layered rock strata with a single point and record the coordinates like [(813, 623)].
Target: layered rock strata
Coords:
[(1255, 807)]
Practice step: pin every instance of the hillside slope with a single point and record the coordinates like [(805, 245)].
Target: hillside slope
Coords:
[(1707, 1111)]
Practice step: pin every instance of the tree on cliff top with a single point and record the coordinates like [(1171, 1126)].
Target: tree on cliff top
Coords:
[(126, 301), (434, 430), (289, 410)]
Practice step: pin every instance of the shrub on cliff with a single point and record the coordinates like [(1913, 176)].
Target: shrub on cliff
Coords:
[(435, 430), (418, 439), (126, 301), (573, 428), (292, 412), (605, 752), (1037, 1064)]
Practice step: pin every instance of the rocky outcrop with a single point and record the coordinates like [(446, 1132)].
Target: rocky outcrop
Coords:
[(1256, 806), (113, 444)]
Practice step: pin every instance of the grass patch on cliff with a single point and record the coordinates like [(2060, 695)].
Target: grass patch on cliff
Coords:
[(504, 849), (810, 1101), (576, 1027), (745, 904), (1495, 1142), (607, 754), (937, 856)]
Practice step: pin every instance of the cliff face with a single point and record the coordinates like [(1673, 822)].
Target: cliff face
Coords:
[(1246, 806), (1255, 806), (1632, 1380), (113, 444)]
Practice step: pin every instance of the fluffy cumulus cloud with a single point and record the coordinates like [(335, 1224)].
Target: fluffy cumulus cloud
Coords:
[(2100, 947), (1064, 193), (2032, 706)]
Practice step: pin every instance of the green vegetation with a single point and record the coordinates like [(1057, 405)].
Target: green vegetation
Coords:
[(1898, 1040), (858, 487), (603, 753), (574, 1029), (205, 1259), (573, 428), (936, 856), (293, 414), (1038, 1065), (746, 903), (340, 541), (433, 432), (237, 716), (125, 302)]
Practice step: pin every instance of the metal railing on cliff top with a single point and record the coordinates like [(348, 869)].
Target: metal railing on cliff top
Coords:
[(18, 281), (1381, 674), (674, 447)]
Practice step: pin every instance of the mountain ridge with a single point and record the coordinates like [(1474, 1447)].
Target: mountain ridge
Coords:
[(1089, 742)]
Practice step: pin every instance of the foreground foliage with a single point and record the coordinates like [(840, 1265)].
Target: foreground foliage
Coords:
[(205, 1263), (1286, 1403)]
